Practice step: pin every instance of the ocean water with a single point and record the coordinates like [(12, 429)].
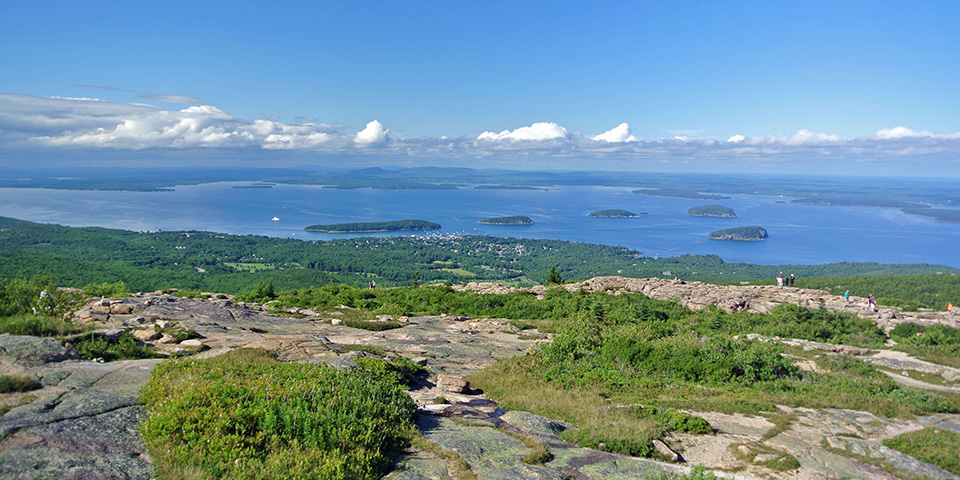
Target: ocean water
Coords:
[(799, 234)]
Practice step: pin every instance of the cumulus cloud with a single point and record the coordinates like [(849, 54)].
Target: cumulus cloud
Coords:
[(897, 133), (619, 134), (736, 139), (372, 134), (538, 132), (54, 122)]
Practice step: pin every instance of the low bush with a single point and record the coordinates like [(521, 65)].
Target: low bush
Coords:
[(17, 383), (245, 415), (111, 348), (108, 290)]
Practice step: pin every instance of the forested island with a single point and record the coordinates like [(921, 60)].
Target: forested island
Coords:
[(679, 193), (740, 234), (616, 213), (718, 211), (373, 227), (513, 220), (507, 187)]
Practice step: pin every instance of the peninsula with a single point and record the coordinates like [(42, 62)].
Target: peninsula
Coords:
[(370, 227), (741, 234), (616, 213), (718, 211), (514, 220)]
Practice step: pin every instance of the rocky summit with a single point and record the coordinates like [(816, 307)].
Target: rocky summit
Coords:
[(82, 423)]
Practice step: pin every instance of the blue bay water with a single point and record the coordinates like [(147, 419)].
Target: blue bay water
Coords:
[(799, 234)]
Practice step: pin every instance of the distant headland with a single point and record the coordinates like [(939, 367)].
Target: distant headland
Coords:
[(514, 220), (371, 227)]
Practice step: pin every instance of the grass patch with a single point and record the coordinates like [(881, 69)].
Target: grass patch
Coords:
[(17, 383), (600, 423), (373, 325), (781, 423), (38, 326), (697, 473), (457, 467), (245, 415), (930, 445)]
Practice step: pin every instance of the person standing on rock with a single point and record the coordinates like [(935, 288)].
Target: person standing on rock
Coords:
[(780, 280), (871, 303), (846, 296), (792, 278)]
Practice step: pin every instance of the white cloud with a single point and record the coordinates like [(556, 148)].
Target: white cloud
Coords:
[(373, 134), (801, 138), (538, 132), (897, 133), (619, 134), (28, 122)]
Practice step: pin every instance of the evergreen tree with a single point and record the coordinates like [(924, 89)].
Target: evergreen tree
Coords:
[(553, 277)]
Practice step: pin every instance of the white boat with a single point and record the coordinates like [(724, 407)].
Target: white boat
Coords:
[(275, 219)]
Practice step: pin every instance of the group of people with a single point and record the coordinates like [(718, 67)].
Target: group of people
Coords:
[(785, 281), (871, 302)]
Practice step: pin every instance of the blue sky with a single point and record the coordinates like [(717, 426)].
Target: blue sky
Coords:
[(765, 87)]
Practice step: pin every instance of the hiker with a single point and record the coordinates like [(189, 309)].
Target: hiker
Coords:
[(846, 296), (780, 280), (792, 278), (871, 303)]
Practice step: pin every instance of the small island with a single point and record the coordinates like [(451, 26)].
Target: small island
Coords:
[(740, 234), (371, 227), (616, 213), (514, 220), (507, 187), (718, 211), (678, 193)]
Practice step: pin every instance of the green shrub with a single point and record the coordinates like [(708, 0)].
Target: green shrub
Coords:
[(17, 383), (110, 290), (35, 296), (244, 415), (110, 348), (399, 371)]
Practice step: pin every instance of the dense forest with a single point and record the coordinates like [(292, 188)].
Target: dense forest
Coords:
[(236, 263)]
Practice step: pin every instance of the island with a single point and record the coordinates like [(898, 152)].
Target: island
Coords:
[(678, 193), (514, 220), (369, 227), (718, 211), (740, 234), (616, 213), (507, 187)]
